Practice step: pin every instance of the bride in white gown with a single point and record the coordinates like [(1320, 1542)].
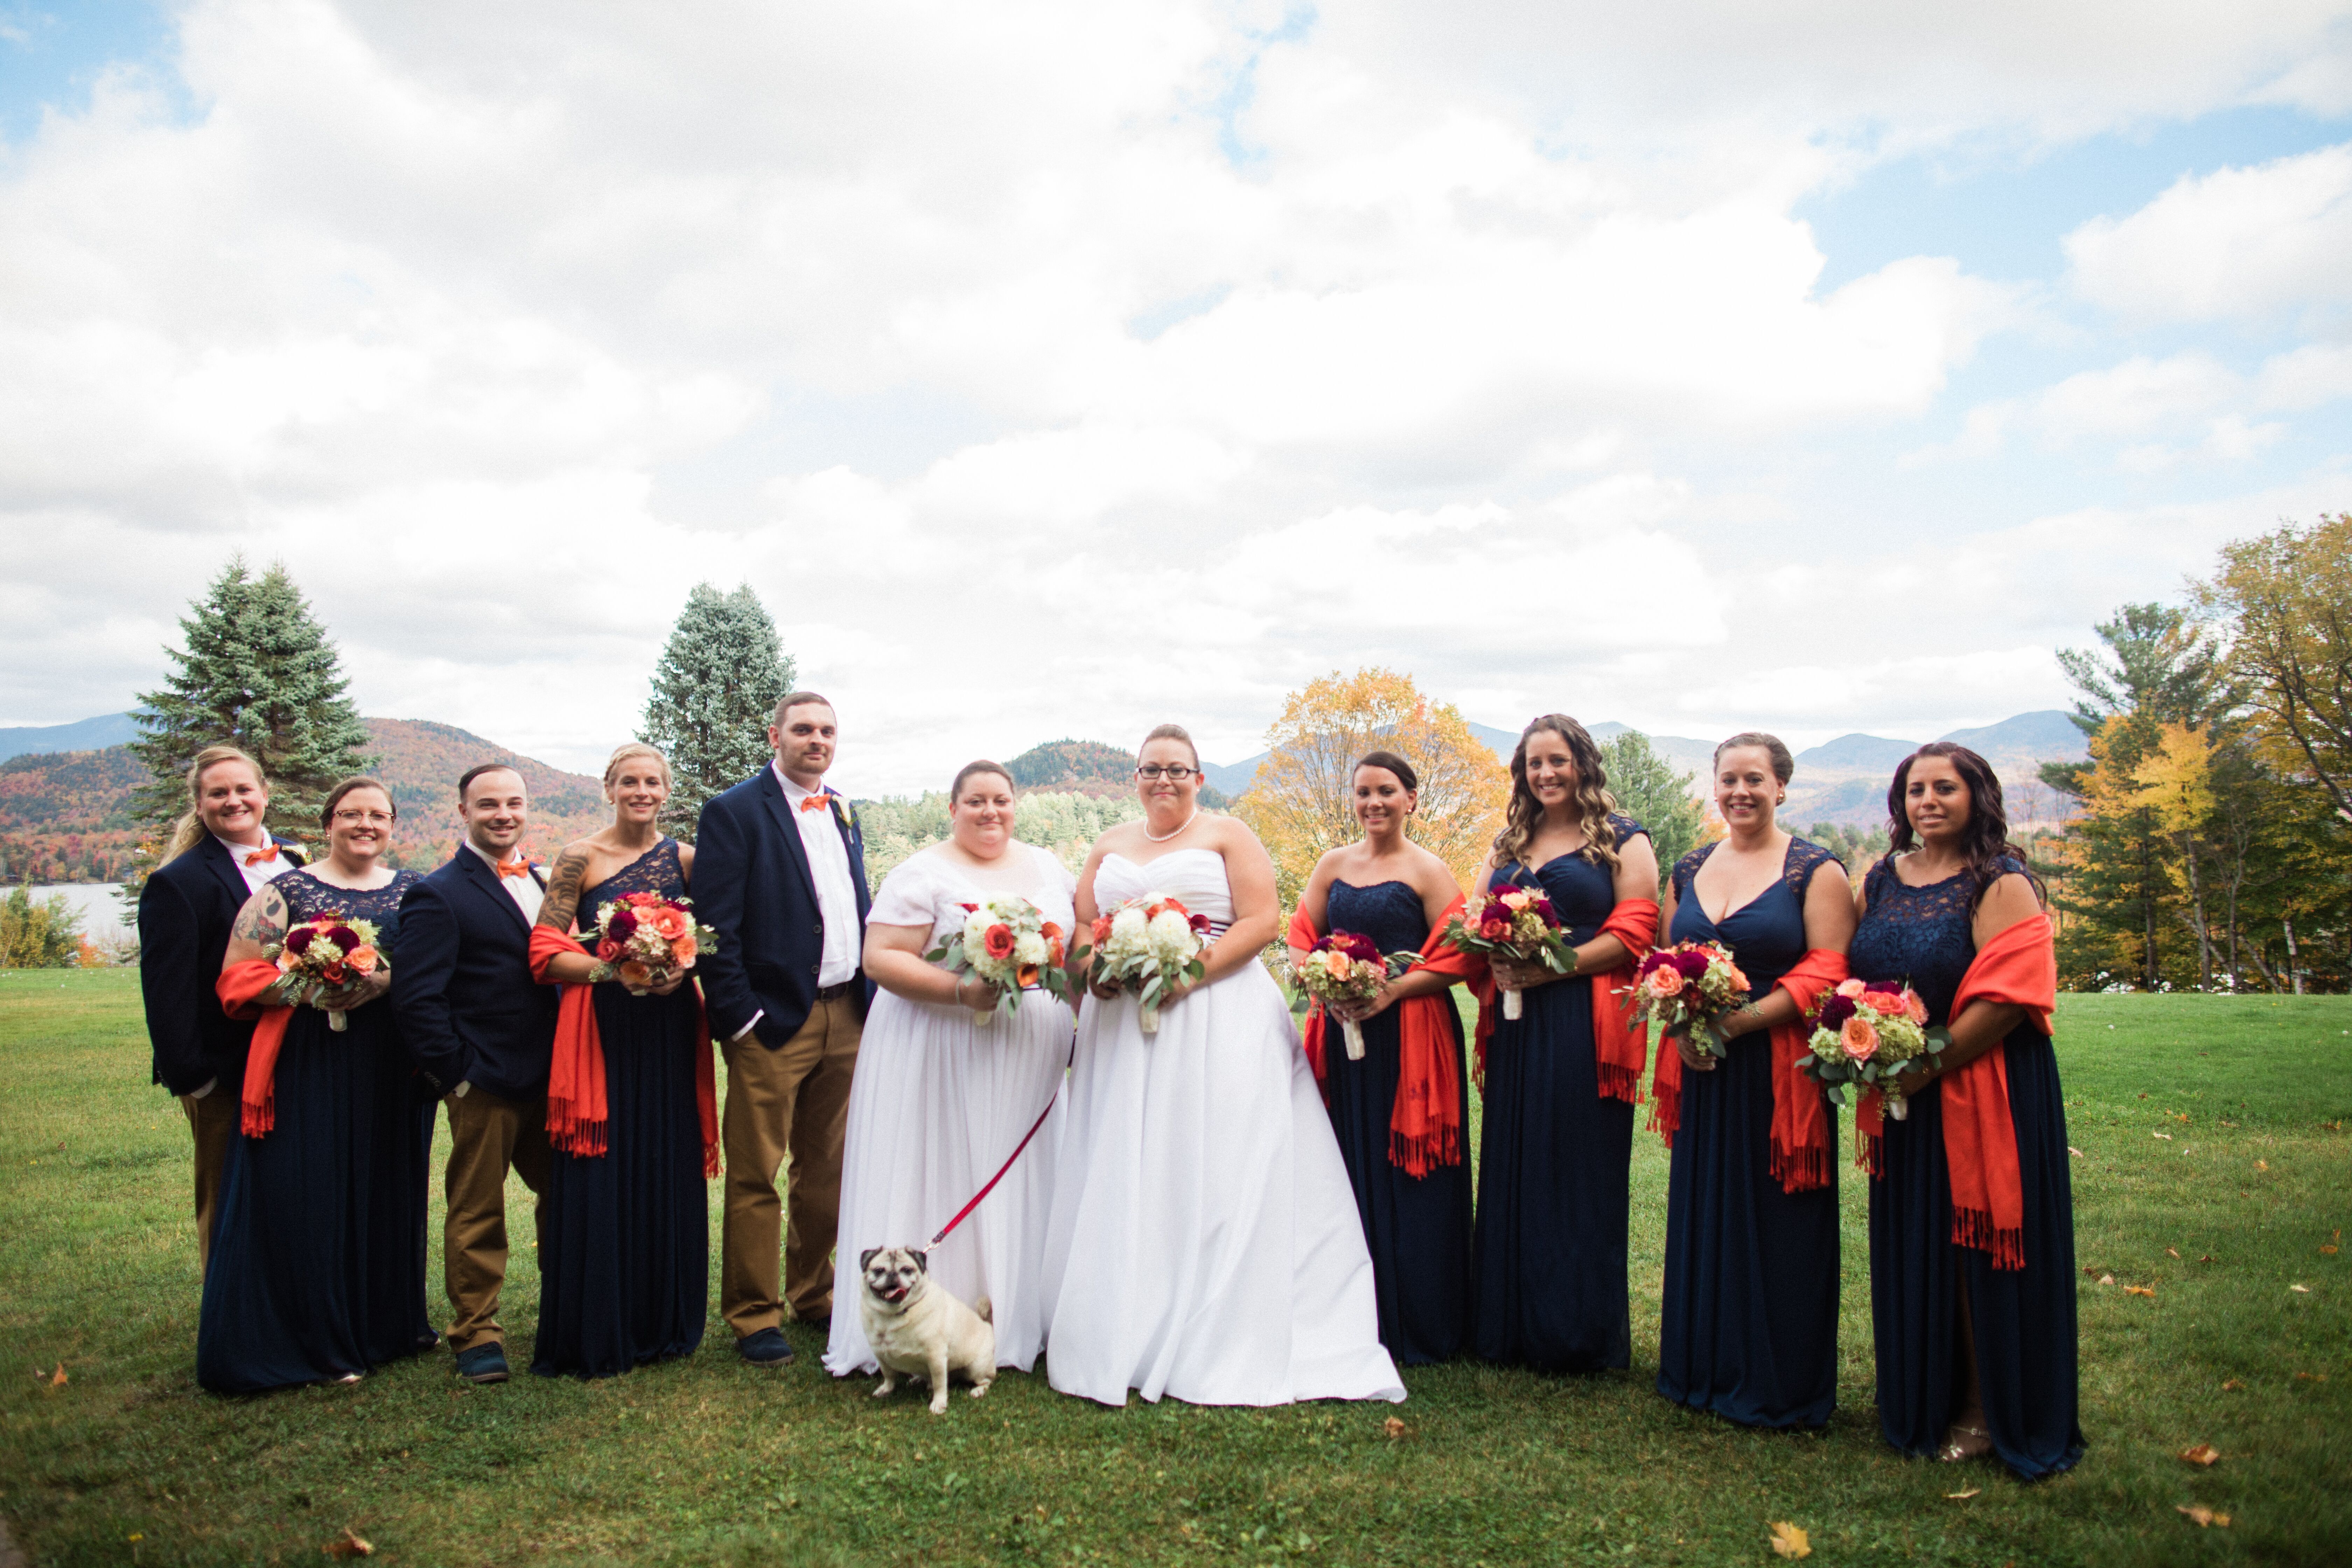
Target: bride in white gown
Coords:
[(1204, 1241)]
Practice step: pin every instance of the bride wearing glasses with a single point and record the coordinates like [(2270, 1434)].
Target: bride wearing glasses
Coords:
[(1204, 1241)]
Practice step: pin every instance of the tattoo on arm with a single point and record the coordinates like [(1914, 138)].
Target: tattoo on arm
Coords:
[(562, 904), (263, 920)]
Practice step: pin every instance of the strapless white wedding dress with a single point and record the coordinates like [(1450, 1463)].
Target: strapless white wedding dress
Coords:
[(1204, 1241)]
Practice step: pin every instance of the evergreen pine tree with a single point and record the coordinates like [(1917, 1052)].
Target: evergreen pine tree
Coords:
[(1655, 793), (715, 691), (258, 672)]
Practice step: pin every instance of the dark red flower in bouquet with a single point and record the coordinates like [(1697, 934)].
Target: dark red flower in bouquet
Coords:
[(1357, 947), (298, 940), (622, 926), (343, 937), (1835, 1011), (1692, 965)]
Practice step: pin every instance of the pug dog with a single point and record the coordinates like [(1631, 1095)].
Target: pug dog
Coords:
[(918, 1329)]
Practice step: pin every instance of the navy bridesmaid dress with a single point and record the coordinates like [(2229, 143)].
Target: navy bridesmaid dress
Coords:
[(1748, 1328), (2024, 1320), (625, 1255), (1418, 1227), (1554, 1158), (318, 1269)]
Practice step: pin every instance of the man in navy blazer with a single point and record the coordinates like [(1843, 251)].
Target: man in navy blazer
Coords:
[(779, 877), (482, 1033), (219, 857)]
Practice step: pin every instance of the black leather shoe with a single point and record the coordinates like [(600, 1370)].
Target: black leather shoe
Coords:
[(766, 1348), (484, 1363)]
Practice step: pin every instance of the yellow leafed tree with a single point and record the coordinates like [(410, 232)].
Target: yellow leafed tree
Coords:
[(1299, 803)]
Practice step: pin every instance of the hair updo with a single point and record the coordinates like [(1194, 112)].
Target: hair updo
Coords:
[(1784, 765), (623, 753), (970, 770), (1172, 732), (1393, 762)]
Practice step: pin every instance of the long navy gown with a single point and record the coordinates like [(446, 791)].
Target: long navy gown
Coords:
[(318, 1269), (2024, 1320), (1418, 1227), (624, 1259), (1748, 1328), (1553, 1161)]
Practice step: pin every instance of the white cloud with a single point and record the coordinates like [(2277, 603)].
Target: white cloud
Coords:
[(2239, 242)]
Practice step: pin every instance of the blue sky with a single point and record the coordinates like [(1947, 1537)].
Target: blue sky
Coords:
[(1821, 370)]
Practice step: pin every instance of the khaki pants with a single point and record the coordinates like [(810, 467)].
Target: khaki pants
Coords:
[(488, 1136), (791, 1103), (212, 1122)]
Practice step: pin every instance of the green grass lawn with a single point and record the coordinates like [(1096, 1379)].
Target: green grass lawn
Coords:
[(2214, 1169)]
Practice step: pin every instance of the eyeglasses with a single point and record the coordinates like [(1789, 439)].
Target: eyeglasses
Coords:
[(355, 816), (1175, 774)]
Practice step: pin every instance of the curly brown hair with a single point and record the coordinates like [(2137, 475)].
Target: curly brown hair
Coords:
[(1593, 801)]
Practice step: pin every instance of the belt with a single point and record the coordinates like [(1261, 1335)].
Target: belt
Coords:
[(836, 993)]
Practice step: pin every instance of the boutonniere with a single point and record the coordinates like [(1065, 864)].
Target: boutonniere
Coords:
[(840, 810)]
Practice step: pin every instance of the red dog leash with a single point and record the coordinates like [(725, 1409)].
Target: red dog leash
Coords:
[(965, 1211)]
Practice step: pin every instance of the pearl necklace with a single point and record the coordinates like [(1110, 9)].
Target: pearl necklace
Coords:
[(1164, 837)]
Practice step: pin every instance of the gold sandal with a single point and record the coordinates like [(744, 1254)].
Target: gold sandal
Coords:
[(1965, 1443)]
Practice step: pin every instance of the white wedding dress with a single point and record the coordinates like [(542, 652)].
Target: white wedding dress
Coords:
[(1205, 1240), (937, 1105)]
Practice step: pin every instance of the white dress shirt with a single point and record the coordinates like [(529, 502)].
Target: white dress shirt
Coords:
[(837, 895), (524, 889), (258, 875)]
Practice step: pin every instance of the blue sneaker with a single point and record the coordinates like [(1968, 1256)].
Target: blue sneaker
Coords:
[(766, 1348), (484, 1363)]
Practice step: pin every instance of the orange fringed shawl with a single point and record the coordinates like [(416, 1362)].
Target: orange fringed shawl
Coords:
[(241, 987), (1425, 1122), (576, 1112), (1801, 1112), (2019, 967)]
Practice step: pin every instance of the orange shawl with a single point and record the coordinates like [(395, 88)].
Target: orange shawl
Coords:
[(1800, 1111), (576, 1113), (2019, 967), (1426, 1121), (1619, 1051), (241, 987)]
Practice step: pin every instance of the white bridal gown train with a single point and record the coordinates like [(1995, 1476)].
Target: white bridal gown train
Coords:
[(936, 1106), (1205, 1240)]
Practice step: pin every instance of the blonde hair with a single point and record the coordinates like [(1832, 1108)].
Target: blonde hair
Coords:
[(190, 830), (621, 754), (1593, 801)]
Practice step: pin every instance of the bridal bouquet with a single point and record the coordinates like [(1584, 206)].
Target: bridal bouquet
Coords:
[(1346, 967), (643, 940), (325, 956), (1864, 1035), (1007, 942), (1146, 945), (1687, 991), (1517, 922)]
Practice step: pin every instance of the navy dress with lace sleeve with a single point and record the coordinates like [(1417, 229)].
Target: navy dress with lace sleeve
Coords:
[(1748, 1323), (1417, 1228), (2023, 1320), (318, 1262), (1554, 1159), (624, 1261)]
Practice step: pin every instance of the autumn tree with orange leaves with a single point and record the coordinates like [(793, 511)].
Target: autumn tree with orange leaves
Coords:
[(1299, 803)]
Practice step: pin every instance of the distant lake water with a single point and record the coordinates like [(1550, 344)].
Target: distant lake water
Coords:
[(98, 903)]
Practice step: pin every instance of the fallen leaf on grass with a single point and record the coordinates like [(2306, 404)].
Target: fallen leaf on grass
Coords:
[(2106, 1278), (2207, 1258), (2233, 1385), (2204, 1453), (2172, 1252), (57, 1378), (2261, 1165), (2311, 1377), (1393, 1428), (2165, 1136), (1789, 1540), (350, 1543), (2139, 1290), (2203, 1515), (2299, 1289), (2076, 1153), (1963, 1497)]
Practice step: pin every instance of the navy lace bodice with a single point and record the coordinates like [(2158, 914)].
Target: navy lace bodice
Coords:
[(1924, 936), (1766, 934), (1388, 912), (1582, 889), (654, 871), (307, 898)]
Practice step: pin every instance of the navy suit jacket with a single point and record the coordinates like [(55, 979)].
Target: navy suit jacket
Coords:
[(461, 987), (753, 887), (185, 911)]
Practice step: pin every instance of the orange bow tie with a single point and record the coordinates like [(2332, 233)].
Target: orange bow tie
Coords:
[(515, 868), (816, 801), (262, 857)]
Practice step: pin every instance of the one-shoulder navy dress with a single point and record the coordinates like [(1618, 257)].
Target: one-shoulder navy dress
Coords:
[(624, 1261), (1748, 1328), (2024, 1319), (1418, 1227), (318, 1267), (1553, 1161)]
